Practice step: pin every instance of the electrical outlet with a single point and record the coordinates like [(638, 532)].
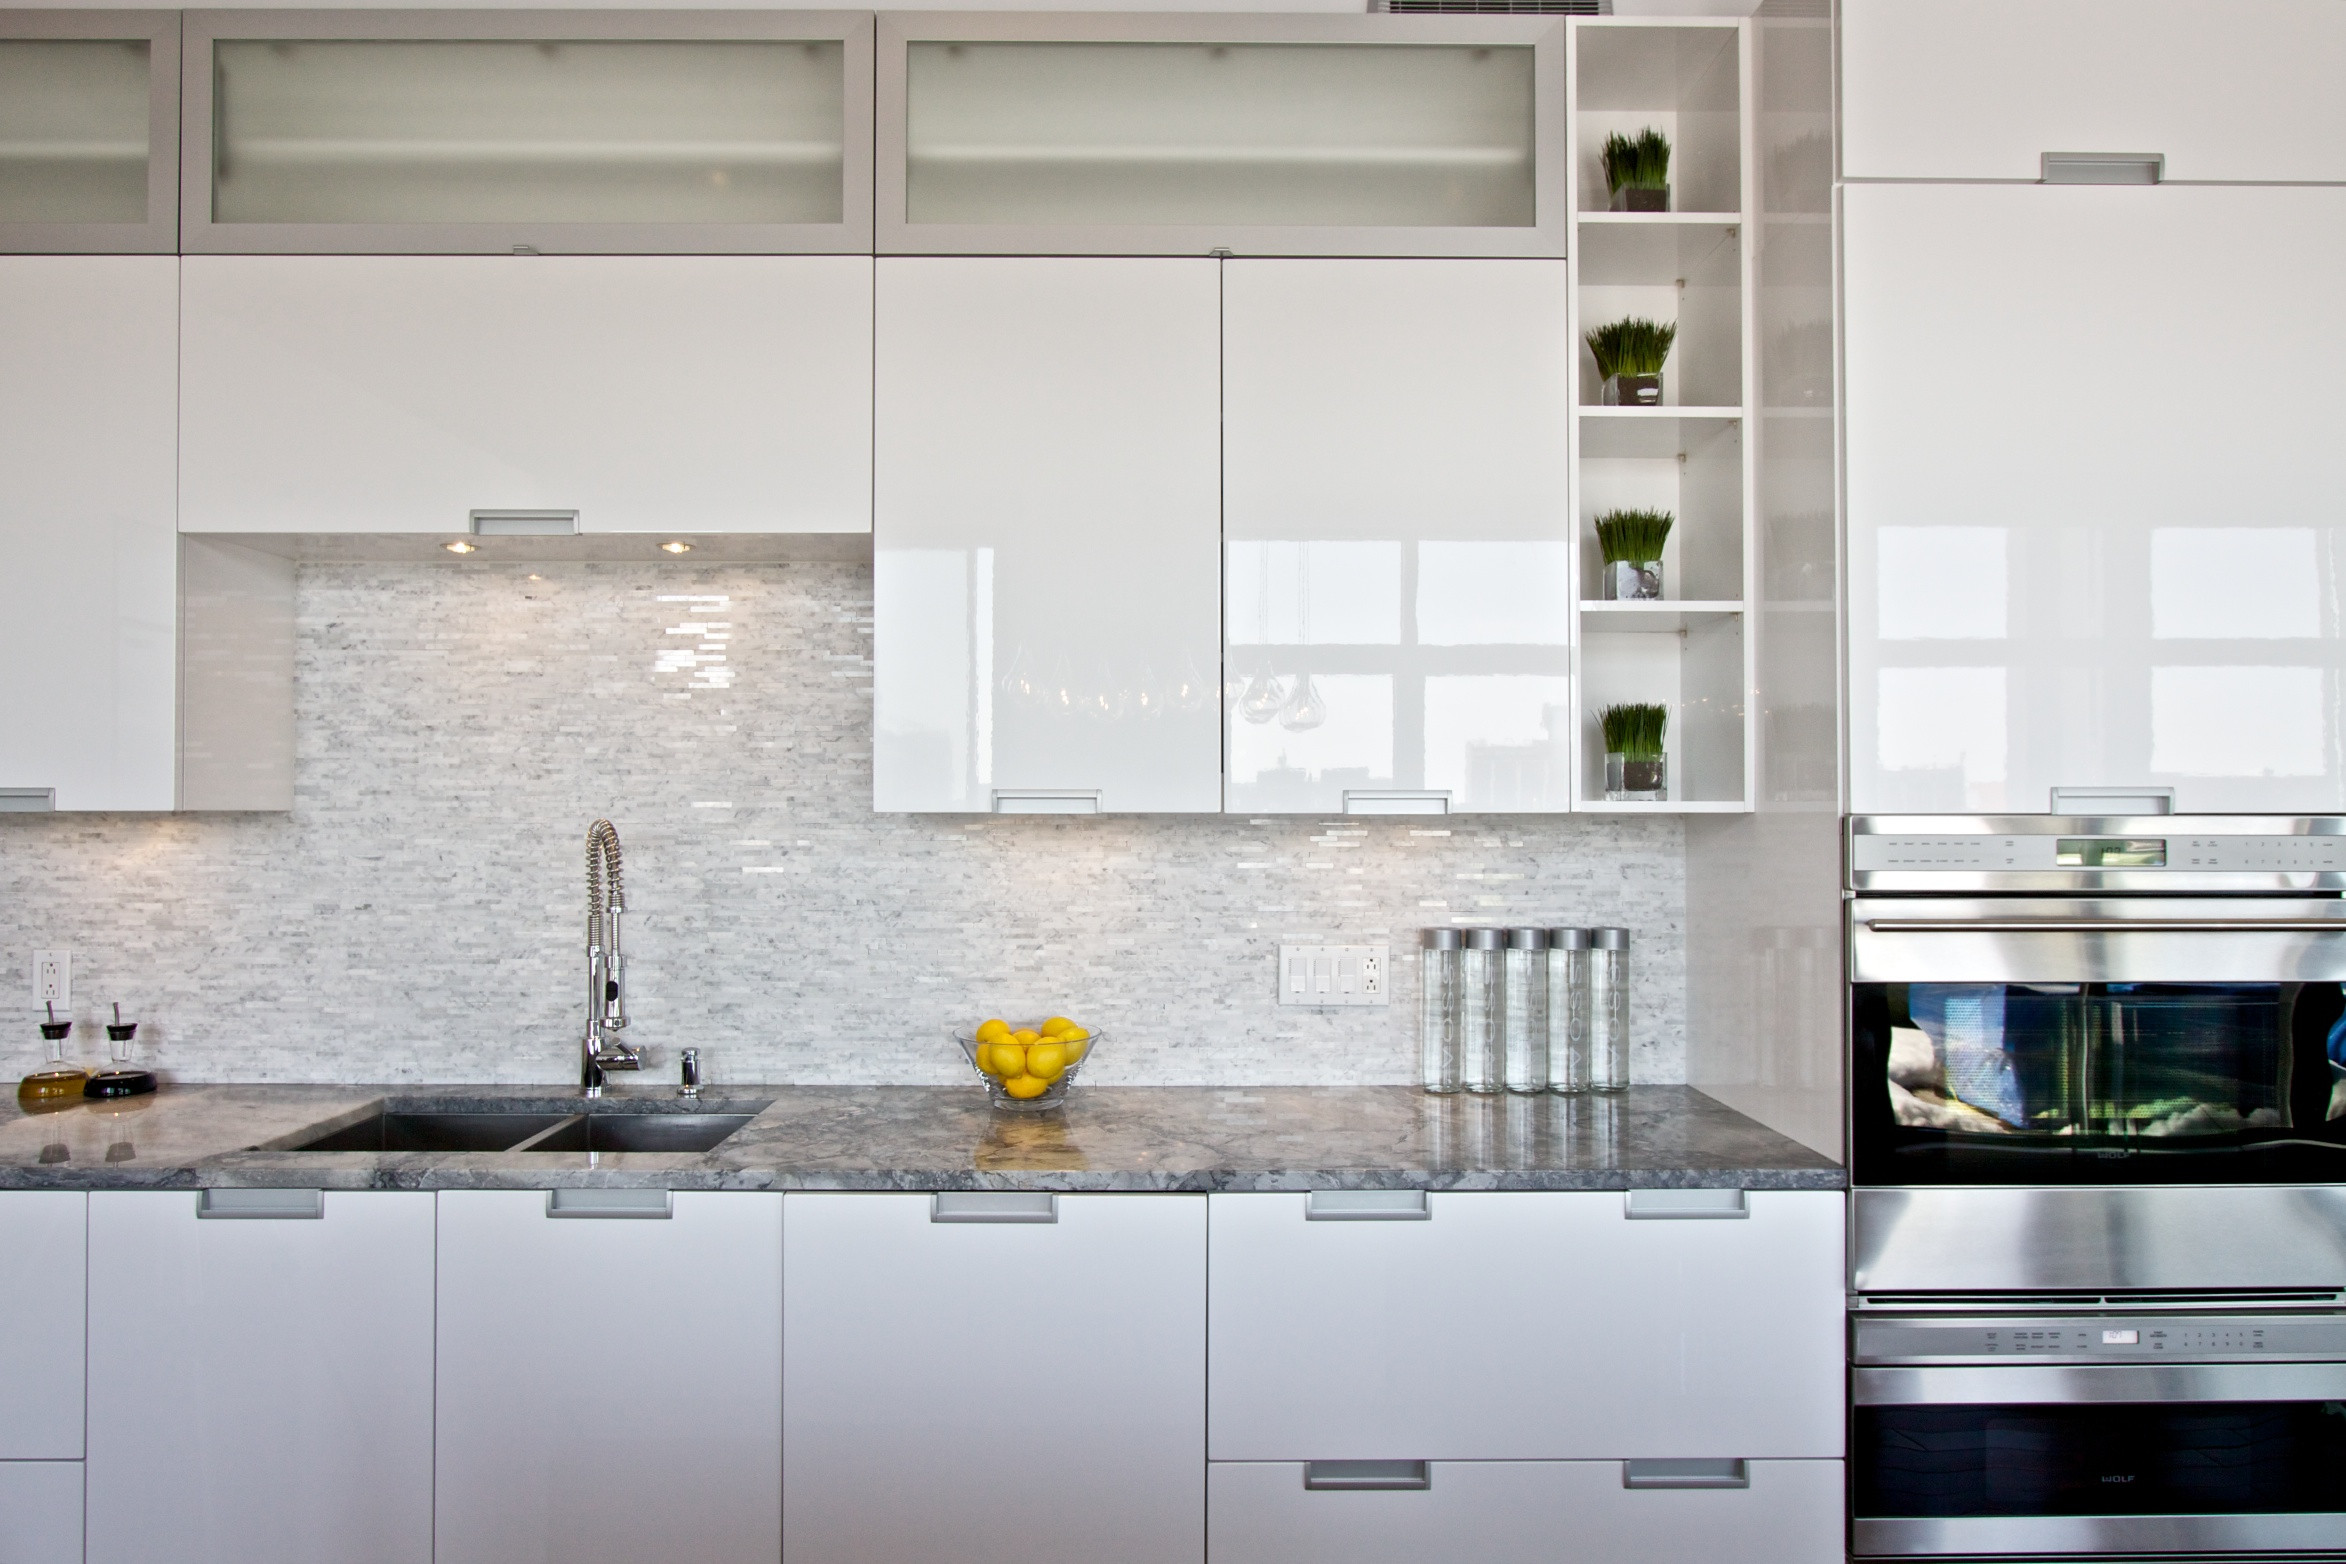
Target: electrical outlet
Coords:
[(1333, 977), (53, 978)]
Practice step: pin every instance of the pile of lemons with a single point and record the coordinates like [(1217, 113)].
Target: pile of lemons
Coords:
[(1028, 1060)]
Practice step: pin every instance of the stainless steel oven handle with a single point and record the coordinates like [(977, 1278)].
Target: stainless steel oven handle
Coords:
[(2047, 1384), (2107, 926)]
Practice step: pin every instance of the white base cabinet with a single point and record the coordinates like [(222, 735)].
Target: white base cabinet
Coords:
[(991, 1391), (260, 1384), (1527, 1327), (1525, 1512), (43, 1298), (89, 549), (647, 393), (610, 1380), (40, 1512)]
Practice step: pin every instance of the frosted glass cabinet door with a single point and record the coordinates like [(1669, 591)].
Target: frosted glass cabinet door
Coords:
[(89, 131), (1399, 590), (2226, 90), (646, 393), (1046, 592), (89, 547), (2092, 541), (1170, 135), (487, 132)]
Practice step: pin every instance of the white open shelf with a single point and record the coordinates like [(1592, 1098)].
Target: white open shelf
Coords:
[(1691, 650)]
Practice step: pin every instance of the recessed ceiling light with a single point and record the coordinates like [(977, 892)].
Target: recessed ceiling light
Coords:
[(675, 547), (460, 547)]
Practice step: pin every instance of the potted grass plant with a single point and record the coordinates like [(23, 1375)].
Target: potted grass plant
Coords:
[(1630, 354), (1632, 542), (1636, 770), (1637, 171)]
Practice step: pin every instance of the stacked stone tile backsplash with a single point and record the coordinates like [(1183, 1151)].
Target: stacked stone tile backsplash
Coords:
[(418, 916)]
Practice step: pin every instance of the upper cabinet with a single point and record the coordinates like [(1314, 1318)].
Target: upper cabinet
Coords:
[(472, 132), (1046, 531), (1399, 568), (2226, 90), (89, 131), (1251, 135)]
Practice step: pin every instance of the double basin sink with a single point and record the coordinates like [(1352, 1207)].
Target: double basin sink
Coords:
[(612, 1128)]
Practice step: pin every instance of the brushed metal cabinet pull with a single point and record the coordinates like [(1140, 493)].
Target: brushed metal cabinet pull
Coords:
[(261, 1205), (655, 1205), (1686, 1474), (993, 1205), (1368, 1205), (1686, 1205), (27, 800), (2101, 168), (1368, 1476)]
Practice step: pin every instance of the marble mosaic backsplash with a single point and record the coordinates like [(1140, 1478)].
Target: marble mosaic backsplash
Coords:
[(418, 917)]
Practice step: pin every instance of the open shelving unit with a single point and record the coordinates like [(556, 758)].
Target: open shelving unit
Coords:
[(1692, 266)]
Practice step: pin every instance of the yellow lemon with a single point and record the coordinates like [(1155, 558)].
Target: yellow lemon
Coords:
[(1075, 1047), (1025, 1086), (983, 1057), (1047, 1061), (1057, 1024), (1009, 1058), (988, 1031)]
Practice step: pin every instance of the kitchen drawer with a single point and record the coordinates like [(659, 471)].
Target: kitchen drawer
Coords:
[(1527, 1512), (43, 1293), (2227, 90), (1534, 1326), (40, 1512)]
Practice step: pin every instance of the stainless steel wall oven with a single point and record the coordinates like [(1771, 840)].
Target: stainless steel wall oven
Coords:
[(2098, 1150)]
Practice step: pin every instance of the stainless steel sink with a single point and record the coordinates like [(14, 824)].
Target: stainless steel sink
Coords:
[(640, 1132), (402, 1131)]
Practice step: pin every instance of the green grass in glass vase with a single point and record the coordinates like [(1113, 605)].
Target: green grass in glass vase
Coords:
[(1636, 770), (1632, 543), (1630, 354), (1637, 171)]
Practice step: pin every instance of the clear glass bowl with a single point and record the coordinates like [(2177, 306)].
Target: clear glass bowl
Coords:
[(1074, 1057)]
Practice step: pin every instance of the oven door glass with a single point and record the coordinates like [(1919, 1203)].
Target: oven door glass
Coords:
[(2098, 1083)]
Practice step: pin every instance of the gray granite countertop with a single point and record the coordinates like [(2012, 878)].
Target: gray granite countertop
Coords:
[(930, 1138)]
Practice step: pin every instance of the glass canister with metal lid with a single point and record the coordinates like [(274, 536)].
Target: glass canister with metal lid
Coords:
[(1481, 1004), (1437, 1009), (1571, 954), (1523, 1022), (1609, 1011)]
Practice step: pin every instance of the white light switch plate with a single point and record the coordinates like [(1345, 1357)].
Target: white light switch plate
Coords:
[(1333, 976)]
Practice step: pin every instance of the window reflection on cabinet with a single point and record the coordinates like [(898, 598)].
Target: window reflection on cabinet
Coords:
[(682, 131), (1399, 573), (1168, 135), (89, 131)]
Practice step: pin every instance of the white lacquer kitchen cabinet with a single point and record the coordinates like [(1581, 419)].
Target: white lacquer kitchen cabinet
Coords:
[(2095, 528), (1528, 1512), (89, 548), (40, 1512), (44, 1233), (662, 394), (610, 1377), (1527, 1327), (997, 1378), (1046, 537), (1399, 566), (260, 1377), (1981, 89)]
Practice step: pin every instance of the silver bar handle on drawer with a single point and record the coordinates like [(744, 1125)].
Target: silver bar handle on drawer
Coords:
[(1685, 1474), (2108, 926), (262, 1205), (1368, 1476), (27, 800), (1368, 1205), (655, 1205), (1686, 1205), (993, 1205)]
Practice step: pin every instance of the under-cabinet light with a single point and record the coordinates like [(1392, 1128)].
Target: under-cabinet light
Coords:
[(460, 547), (675, 547)]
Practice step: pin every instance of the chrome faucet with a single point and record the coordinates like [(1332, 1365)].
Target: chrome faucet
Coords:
[(599, 1050)]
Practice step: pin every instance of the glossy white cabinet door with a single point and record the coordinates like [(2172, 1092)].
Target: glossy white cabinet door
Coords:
[(994, 1392), (1691, 1339), (1981, 89), (2089, 543), (1399, 587), (44, 1234), (1525, 1512), (610, 1387), (647, 393), (260, 1390), (89, 551), (1047, 503), (40, 1512)]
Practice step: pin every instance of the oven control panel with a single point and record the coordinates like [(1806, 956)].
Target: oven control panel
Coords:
[(2102, 1338), (1915, 852)]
